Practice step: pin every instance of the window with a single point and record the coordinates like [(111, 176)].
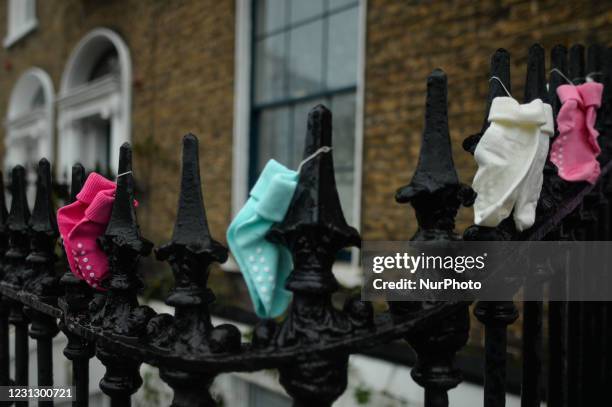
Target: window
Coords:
[(94, 103), (304, 53), (29, 125), (21, 19)]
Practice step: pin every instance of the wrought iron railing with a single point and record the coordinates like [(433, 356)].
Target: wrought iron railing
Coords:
[(311, 346)]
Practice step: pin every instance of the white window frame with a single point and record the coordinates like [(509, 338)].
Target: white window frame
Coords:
[(242, 111), (110, 97), (22, 121), (18, 22)]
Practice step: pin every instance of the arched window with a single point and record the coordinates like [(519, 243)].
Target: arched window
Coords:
[(29, 123), (94, 104)]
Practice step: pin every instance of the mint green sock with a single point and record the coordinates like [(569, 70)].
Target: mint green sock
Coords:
[(264, 265)]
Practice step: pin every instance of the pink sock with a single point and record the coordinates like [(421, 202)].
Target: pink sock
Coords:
[(575, 149)]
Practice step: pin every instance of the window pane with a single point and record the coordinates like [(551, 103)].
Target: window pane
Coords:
[(304, 9), (305, 59), (343, 136), (342, 60), (343, 140), (270, 15), (274, 136), (270, 68), (344, 184), (335, 4)]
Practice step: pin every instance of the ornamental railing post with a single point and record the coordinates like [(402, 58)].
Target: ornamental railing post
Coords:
[(190, 253), (535, 88), (74, 304), (557, 310), (436, 194), (43, 283), (575, 317), (16, 271), (117, 313), (496, 316), (553, 186), (314, 229)]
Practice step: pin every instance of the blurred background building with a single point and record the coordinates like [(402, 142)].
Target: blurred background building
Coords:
[(80, 77)]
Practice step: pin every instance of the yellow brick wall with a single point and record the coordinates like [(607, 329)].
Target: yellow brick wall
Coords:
[(183, 67), (408, 39), (183, 63)]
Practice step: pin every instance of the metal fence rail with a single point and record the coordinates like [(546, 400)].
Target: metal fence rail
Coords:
[(311, 346)]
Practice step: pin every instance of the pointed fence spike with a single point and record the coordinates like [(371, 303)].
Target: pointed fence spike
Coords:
[(500, 68), (435, 168), (19, 214), (191, 228), (558, 60), (576, 64), (435, 191), (77, 181), (43, 214), (316, 201), (123, 223), (595, 61), (18, 230), (535, 84)]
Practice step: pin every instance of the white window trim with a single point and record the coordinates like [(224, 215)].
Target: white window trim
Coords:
[(37, 122), (242, 111), (98, 97), (109, 96), (17, 33)]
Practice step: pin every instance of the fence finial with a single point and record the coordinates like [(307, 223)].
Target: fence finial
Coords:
[(500, 68), (535, 83), (43, 214), (435, 168), (435, 191), (316, 201), (191, 227), (595, 60), (122, 224), (17, 224), (77, 181), (558, 61), (43, 236), (19, 215), (576, 65)]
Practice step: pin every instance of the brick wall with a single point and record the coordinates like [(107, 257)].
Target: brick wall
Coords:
[(406, 40), (183, 63)]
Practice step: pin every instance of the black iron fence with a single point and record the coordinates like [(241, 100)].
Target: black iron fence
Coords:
[(311, 346)]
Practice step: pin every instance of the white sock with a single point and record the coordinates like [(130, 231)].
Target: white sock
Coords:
[(529, 191), (505, 155)]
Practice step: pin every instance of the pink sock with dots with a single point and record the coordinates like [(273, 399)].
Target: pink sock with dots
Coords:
[(575, 149)]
